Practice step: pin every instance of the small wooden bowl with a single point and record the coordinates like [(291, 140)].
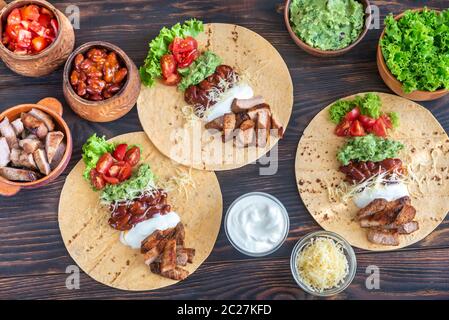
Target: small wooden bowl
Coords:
[(110, 109), (54, 108), (327, 53), (394, 84), (49, 59)]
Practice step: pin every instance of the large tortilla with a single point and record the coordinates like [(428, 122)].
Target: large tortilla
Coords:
[(317, 167), (160, 107), (96, 247)]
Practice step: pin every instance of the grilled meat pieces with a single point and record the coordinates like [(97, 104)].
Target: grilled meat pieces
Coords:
[(164, 252), (14, 174), (387, 219)]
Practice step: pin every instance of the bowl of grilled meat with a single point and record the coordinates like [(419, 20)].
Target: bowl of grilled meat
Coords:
[(35, 145)]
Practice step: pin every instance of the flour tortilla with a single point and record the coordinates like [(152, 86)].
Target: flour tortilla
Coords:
[(317, 166), (259, 64), (96, 247)]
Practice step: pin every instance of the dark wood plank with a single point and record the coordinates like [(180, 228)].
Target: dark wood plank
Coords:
[(32, 256)]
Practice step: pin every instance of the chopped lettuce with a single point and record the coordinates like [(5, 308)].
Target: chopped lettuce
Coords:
[(369, 148), (394, 118), (369, 105), (199, 70), (142, 180), (151, 70), (416, 49), (93, 149)]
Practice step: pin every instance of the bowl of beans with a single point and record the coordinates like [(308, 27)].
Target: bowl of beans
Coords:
[(101, 83)]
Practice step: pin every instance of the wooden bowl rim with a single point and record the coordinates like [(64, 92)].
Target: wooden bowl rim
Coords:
[(68, 137), (330, 53), (387, 71), (83, 48), (42, 3)]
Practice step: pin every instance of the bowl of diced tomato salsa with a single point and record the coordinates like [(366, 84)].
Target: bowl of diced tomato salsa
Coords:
[(36, 38)]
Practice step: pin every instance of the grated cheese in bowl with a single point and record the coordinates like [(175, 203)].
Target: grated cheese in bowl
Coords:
[(323, 263)]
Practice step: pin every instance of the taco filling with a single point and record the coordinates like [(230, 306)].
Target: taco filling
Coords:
[(138, 207)]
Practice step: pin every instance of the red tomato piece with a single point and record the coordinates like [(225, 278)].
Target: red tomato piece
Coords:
[(39, 44), (342, 129), (172, 80), (46, 11), (386, 119), (96, 179), (30, 12), (366, 121), (353, 114), (168, 65), (110, 180), (104, 163), (13, 31), (25, 24), (24, 38), (125, 172), (187, 59), (133, 156), (114, 170), (37, 28), (44, 20), (379, 128), (356, 129), (120, 151), (54, 26), (184, 45), (14, 17)]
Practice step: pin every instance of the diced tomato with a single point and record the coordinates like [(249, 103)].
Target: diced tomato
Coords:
[(188, 58), (125, 172), (387, 121), (120, 151), (114, 170), (37, 28), (110, 180), (357, 129), (366, 121), (379, 128), (24, 38), (353, 114), (39, 44), (96, 179), (54, 25), (172, 80), (14, 17), (104, 163), (25, 24), (168, 65), (46, 11), (342, 129), (30, 12), (184, 50), (13, 31), (44, 20), (132, 156)]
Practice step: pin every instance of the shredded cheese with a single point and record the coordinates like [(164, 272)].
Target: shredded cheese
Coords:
[(182, 180), (322, 264)]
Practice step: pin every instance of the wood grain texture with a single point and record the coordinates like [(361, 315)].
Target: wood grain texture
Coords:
[(33, 259)]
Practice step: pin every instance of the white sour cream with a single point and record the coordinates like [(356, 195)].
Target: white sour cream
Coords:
[(388, 192), (240, 91), (134, 237), (257, 223)]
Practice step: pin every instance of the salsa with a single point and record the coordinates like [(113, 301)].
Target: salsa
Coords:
[(29, 30), (327, 24)]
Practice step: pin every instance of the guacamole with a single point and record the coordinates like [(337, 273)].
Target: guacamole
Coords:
[(327, 24)]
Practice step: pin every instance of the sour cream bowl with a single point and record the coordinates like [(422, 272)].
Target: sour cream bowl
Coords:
[(257, 224)]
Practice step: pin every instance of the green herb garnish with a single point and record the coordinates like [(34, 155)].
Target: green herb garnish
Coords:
[(151, 70), (369, 148), (416, 49)]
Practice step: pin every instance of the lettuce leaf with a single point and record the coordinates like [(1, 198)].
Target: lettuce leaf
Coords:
[(93, 149), (151, 70), (368, 104), (416, 49)]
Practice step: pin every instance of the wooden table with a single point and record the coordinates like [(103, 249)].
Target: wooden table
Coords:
[(33, 259)]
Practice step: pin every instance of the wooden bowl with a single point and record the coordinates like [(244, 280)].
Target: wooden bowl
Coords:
[(54, 108), (50, 58), (327, 53), (394, 84), (110, 109)]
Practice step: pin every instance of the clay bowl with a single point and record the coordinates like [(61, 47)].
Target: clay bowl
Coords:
[(110, 109), (54, 108), (327, 53), (49, 59), (394, 84)]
